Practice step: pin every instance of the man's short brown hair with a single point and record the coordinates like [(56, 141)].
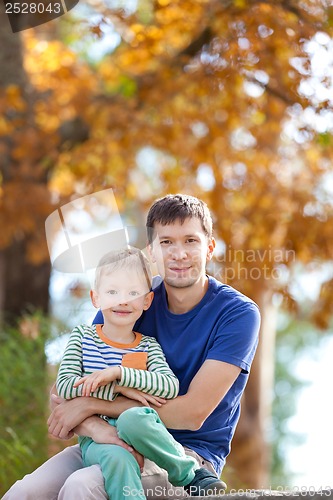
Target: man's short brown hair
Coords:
[(173, 207)]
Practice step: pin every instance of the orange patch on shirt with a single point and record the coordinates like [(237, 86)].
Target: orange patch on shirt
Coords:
[(136, 360)]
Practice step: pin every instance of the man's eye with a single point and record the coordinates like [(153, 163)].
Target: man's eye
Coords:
[(165, 242)]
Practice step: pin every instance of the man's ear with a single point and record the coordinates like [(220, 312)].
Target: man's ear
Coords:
[(148, 300), (211, 248), (94, 298)]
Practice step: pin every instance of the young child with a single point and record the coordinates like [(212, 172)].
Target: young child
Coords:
[(105, 360)]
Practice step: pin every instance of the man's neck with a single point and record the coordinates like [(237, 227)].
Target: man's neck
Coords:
[(182, 300)]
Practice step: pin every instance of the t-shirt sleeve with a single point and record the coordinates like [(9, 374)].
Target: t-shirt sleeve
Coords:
[(99, 318), (236, 338)]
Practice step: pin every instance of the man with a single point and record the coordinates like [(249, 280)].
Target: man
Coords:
[(208, 332)]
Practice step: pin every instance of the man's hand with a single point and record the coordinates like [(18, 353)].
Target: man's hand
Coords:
[(60, 426), (104, 433), (139, 458), (66, 415), (97, 379), (140, 396)]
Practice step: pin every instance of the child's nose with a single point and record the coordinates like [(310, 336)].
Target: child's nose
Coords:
[(123, 299)]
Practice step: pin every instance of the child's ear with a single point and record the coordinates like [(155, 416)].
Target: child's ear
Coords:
[(94, 298), (148, 300)]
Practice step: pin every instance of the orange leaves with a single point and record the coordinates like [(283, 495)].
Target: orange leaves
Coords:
[(12, 105), (196, 83), (29, 327), (64, 83), (27, 146), (52, 56), (158, 36), (323, 311), (23, 206), (97, 162), (6, 127), (25, 151), (13, 98)]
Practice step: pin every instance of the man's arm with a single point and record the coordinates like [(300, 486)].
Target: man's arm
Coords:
[(73, 416), (99, 430), (207, 389)]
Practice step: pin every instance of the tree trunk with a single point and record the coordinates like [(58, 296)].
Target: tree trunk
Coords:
[(23, 285), (26, 286), (248, 465)]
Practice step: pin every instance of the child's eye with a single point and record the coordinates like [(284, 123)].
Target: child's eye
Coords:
[(134, 293), (111, 292), (165, 242)]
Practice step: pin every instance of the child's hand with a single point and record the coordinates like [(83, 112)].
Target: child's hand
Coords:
[(140, 396), (97, 379)]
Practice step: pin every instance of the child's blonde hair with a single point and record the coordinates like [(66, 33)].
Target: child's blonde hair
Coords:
[(129, 258)]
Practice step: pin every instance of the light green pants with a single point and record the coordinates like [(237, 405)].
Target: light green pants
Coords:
[(142, 429)]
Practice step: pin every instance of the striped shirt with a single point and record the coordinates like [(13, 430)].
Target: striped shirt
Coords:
[(143, 364)]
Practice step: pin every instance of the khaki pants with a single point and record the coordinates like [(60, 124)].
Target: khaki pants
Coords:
[(63, 477)]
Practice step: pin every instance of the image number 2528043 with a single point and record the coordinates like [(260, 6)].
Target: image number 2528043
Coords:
[(23, 15)]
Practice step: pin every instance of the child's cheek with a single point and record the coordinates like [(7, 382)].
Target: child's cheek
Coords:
[(107, 303)]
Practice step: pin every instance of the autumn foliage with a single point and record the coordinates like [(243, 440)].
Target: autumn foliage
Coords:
[(229, 100)]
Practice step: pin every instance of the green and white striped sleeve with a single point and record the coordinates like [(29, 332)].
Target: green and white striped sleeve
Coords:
[(157, 380), (71, 369)]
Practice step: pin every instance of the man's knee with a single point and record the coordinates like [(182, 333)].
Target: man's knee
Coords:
[(30, 489), (156, 485), (19, 491), (87, 483)]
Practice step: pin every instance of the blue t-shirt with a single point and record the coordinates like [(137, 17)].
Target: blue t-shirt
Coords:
[(224, 326)]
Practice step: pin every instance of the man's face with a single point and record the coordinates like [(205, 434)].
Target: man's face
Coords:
[(181, 252)]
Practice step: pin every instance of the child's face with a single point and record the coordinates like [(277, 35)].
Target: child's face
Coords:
[(122, 296)]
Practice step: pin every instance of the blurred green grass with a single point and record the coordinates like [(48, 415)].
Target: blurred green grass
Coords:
[(24, 388)]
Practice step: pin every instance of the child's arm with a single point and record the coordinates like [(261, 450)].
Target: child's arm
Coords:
[(158, 380), (71, 371), (99, 378), (90, 383)]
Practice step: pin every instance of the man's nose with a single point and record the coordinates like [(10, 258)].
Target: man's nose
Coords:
[(178, 252)]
